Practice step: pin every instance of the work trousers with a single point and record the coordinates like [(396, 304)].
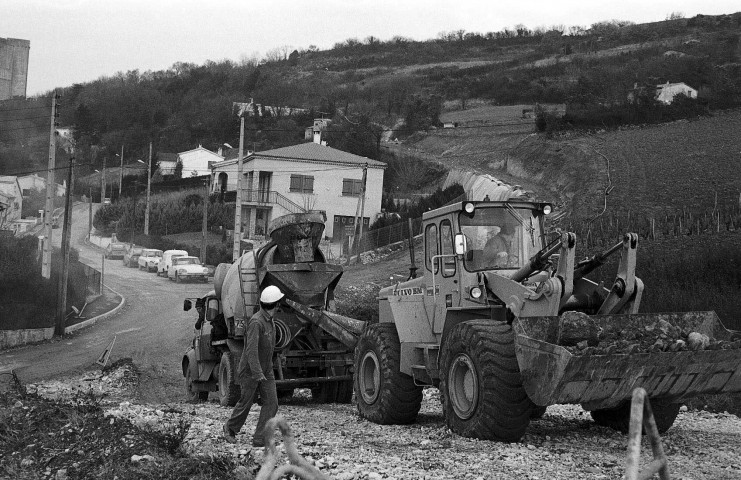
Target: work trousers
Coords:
[(269, 398)]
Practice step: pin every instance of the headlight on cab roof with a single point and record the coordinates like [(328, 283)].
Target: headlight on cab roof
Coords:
[(547, 209)]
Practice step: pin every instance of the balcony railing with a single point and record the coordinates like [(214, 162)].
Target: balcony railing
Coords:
[(265, 197)]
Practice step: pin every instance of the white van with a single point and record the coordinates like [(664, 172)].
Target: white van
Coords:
[(166, 261)]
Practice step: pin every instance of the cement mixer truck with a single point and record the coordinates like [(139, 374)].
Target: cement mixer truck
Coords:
[(314, 346)]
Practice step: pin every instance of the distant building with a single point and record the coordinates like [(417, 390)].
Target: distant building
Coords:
[(665, 93), (166, 163), (197, 162), (36, 182), (13, 67), (11, 200)]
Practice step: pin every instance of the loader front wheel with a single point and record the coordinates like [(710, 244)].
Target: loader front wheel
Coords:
[(229, 391), (384, 394), (481, 387), (619, 418)]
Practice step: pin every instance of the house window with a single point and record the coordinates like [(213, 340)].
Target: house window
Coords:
[(302, 183), (351, 187)]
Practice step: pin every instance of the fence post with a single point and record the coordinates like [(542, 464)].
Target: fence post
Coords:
[(102, 272)]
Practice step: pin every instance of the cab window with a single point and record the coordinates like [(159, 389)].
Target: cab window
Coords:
[(431, 246), (446, 244)]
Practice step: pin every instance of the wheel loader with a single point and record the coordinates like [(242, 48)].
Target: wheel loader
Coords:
[(505, 325), (313, 345)]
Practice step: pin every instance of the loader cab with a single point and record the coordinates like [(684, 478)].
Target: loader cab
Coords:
[(467, 238), (501, 236)]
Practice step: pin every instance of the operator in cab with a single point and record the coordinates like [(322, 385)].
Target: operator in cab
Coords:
[(256, 369), (500, 250)]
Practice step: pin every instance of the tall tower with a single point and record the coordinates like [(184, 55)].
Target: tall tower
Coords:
[(13, 67)]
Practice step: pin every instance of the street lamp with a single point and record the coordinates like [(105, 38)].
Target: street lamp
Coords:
[(149, 181)]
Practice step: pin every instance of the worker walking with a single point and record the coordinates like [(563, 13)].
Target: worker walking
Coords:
[(256, 369)]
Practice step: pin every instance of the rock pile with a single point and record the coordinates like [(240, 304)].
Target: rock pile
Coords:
[(580, 334)]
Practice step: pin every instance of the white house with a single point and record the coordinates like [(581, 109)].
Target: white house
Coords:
[(666, 92), (300, 178), (198, 161), (11, 200), (36, 182)]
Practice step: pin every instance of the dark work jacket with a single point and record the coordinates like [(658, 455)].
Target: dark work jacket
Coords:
[(259, 340)]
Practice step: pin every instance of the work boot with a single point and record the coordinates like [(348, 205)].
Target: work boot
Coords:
[(229, 436), (258, 442)]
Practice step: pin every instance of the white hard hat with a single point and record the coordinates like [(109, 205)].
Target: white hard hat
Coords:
[(271, 294)]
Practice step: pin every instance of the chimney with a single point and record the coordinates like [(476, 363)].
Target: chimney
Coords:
[(318, 136), (220, 152)]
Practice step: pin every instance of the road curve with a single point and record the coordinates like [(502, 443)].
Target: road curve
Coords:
[(152, 327)]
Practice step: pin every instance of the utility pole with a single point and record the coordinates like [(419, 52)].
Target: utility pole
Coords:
[(149, 188), (205, 223), (66, 230), (362, 211), (237, 245), (102, 184), (90, 214), (358, 214), (51, 190), (120, 180)]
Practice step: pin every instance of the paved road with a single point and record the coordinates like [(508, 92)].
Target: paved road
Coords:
[(152, 328)]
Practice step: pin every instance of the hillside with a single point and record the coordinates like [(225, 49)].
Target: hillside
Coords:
[(383, 90), (653, 169)]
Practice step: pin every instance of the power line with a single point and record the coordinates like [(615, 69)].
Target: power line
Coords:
[(2, 110), (23, 119), (29, 172), (23, 128)]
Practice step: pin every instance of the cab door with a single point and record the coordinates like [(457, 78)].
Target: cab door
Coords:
[(441, 264)]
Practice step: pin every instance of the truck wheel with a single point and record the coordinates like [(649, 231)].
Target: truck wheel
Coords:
[(192, 394), (229, 391), (537, 412), (384, 394), (618, 418), (480, 383)]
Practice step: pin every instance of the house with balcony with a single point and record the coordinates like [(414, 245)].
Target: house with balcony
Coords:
[(302, 178)]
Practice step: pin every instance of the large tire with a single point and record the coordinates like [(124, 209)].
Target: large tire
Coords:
[(619, 418), (229, 391), (193, 395), (480, 385), (384, 394)]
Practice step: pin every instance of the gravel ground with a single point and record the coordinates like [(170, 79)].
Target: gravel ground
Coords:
[(564, 444)]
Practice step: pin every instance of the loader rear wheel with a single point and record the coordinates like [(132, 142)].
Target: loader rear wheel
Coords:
[(619, 418), (481, 387), (229, 391), (192, 394), (384, 394)]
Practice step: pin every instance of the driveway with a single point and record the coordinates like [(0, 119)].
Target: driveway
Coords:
[(152, 327)]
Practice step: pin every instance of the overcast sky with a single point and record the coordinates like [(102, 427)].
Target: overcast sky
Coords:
[(81, 40)]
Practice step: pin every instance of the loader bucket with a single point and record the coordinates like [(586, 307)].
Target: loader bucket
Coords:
[(305, 283), (551, 374)]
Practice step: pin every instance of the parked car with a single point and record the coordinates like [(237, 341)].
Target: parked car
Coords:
[(131, 256), (149, 259), (166, 260), (187, 268), (115, 249)]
